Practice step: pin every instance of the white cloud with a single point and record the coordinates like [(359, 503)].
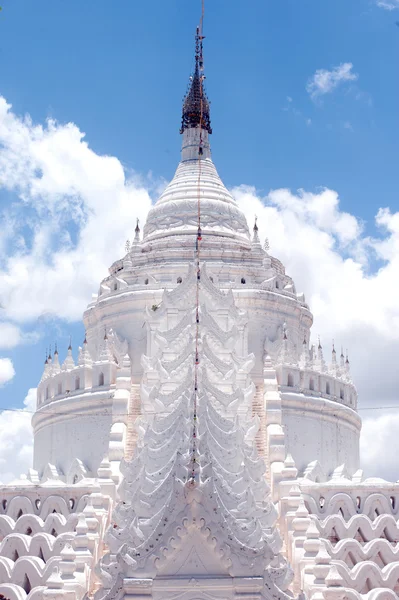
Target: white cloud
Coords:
[(380, 446), (10, 335), (7, 371), (388, 4), (82, 207), (16, 447), (324, 81)]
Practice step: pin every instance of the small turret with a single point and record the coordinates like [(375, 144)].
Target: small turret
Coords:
[(304, 360), (284, 350), (56, 368), (68, 363), (255, 238), (137, 232), (84, 354), (347, 366), (320, 362), (105, 353), (46, 370), (333, 355), (342, 359)]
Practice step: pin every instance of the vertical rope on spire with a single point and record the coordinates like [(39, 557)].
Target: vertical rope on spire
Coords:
[(200, 62)]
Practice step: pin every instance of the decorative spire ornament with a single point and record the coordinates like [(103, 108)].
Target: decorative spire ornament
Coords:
[(196, 112), (255, 238), (68, 363), (347, 364), (137, 232)]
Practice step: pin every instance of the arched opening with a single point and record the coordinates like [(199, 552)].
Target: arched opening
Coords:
[(311, 384), (115, 286), (4, 504), (37, 504), (101, 379), (29, 531), (290, 380), (277, 285), (146, 281), (179, 280), (243, 280), (59, 389), (327, 388), (77, 383), (341, 394)]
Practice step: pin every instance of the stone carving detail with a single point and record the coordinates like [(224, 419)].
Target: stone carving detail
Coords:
[(177, 209), (226, 511)]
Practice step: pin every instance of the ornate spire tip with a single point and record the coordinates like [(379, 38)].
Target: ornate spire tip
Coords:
[(196, 112)]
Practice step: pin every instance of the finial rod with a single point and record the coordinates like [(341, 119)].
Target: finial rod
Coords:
[(196, 113)]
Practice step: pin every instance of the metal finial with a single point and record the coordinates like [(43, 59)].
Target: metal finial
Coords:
[(333, 349), (137, 230), (256, 228), (196, 112), (105, 333), (46, 358), (55, 349), (49, 353), (70, 343)]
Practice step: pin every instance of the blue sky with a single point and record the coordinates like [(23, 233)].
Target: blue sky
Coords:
[(119, 70)]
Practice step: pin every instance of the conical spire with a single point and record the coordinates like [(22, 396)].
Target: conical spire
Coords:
[(84, 354), (56, 363), (137, 232), (304, 358), (255, 238), (68, 363), (196, 111)]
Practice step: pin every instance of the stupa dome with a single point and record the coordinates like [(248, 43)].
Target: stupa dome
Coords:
[(176, 212)]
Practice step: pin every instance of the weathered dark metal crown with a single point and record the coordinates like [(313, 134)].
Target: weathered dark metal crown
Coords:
[(196, 111)]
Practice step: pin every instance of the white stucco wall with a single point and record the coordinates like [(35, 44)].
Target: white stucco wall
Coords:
[(316, 429)]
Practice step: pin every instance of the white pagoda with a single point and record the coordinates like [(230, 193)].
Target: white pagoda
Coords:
[(198, 447)]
